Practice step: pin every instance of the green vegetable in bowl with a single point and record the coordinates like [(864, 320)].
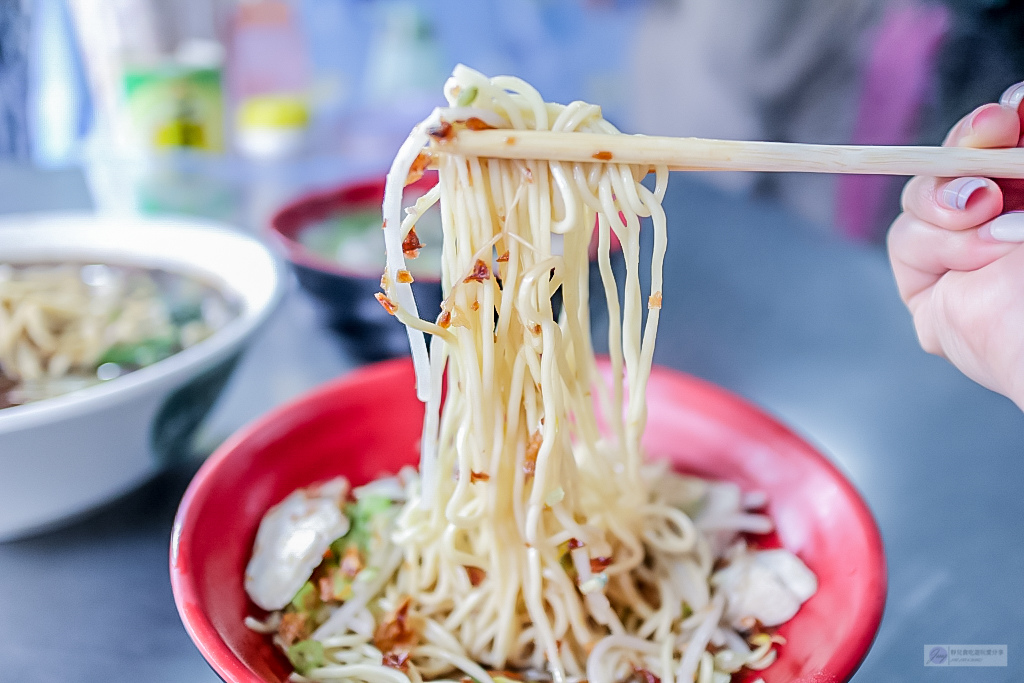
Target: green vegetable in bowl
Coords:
[(186, 311), (306, 655), (143, 353), (369, 517), (306, 598)]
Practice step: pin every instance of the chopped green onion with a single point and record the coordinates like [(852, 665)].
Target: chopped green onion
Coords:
[(142, 354), (341, 587), (365, 515), (372, 505), (467, 96), (554, 497), (306, 598), (565, 560), (306, 655), (366, 575), (594, 583)]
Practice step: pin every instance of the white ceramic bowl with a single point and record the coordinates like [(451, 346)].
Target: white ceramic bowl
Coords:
[(63, 456)]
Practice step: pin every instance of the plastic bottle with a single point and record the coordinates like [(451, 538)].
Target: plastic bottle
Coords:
[(268, 78)]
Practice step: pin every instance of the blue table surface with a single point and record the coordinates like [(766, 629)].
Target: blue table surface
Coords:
[(755, 300)]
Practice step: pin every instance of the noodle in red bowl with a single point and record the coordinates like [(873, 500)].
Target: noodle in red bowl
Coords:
[(369, 424)]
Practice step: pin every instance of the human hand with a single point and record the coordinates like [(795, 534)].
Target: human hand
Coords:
[(957, 252)]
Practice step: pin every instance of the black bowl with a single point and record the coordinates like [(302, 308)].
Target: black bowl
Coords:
[(345, 296)]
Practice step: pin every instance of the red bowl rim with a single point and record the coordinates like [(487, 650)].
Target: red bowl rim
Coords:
[(228, 665), (291, 219)]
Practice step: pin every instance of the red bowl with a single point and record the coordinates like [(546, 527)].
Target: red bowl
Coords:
[(368, 423)]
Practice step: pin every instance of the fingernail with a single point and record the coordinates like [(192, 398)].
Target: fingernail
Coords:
[(1006, 228), (985, 111), (1012, 96), (967, 128), (955, 193)]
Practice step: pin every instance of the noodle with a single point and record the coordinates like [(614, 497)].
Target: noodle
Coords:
[(60, 323), (535, 537)]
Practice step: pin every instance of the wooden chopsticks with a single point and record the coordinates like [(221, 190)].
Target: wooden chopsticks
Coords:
[(699, 154)]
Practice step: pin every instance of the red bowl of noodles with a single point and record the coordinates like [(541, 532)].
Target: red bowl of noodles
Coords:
[(368, 423)]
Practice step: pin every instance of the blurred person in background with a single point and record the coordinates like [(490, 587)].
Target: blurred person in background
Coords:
[(860, 71), (856, 71), (787, 70)]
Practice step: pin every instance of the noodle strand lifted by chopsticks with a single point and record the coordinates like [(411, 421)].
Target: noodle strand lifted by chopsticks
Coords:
[(522, 388)]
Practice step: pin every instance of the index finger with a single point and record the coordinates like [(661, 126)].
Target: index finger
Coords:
[(988, 126), (1012, 97)]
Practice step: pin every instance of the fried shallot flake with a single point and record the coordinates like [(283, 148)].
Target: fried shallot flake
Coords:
[(654, 301), (351, 562), (397, 660), (645, 676), (404, 276), (441, 132), (476, 575), (479, 273), (473, 123), (396, 632), (419, 165), (411, 245), (389, 305), (293, 627), (326, 586), (532, 449)]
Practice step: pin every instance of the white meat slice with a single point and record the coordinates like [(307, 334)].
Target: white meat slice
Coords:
[(291, 542), (769, 585)]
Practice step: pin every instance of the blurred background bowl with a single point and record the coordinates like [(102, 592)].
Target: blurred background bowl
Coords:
[(369, 423), (62, 456), (317, 229)]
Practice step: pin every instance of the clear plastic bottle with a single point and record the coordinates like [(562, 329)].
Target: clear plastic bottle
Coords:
[(268, 71)]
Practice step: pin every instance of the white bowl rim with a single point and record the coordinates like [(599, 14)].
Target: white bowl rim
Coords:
[(184, 364)]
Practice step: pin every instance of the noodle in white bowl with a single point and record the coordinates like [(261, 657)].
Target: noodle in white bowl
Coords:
[(535, 540)]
